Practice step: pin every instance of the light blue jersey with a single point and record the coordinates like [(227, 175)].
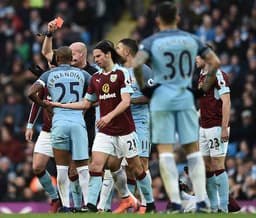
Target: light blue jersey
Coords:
[(140, 112), (172, 55), (66, 84)]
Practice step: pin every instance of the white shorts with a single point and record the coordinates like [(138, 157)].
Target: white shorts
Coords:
[(120, 146), (210, 142), (43, 144), (124, 163)]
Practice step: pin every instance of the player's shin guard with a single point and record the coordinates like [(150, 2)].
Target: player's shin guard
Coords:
[(169, 174), (196, 170), (223, 189)]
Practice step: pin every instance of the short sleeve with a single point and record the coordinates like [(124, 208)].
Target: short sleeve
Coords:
[(43, 79), (91, 94), (125, 81)]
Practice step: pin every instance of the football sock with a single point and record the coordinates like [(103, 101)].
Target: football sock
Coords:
[(46, 182), (63, 184), (169, 174), (144, 184), (131, 183), (76, 193), (83, 175), (120, 180), (94, 187), (106, 191), (197, 175), (211, 188), (223, 189), (143, 200)]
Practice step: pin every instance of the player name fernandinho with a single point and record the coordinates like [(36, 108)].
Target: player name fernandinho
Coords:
[(65, 74)]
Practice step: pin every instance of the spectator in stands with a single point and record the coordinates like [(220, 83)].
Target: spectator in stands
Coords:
[(10, 147), (4, 171)]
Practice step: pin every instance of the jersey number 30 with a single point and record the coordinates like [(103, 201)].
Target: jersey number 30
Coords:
[(184, 55)]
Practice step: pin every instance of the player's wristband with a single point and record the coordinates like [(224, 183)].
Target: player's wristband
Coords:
[(29, 126), (149, 90), (49, 34)]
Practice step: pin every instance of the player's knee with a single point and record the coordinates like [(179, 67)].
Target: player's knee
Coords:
[(136, 169), (72, 172), (144, 162), (129, 172), (96, 166), (38, 169)]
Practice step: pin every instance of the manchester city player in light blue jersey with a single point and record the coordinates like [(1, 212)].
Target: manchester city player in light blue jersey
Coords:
[(172, 55), (127, 49), (66, 84)]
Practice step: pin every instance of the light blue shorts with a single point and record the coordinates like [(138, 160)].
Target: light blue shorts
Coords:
[(71, 137), (165, 125)]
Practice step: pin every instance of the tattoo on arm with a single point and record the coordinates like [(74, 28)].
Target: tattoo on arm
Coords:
[(140, 59)]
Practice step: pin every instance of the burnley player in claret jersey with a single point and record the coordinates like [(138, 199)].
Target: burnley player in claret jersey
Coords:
[(116, 138), (43, 149), (214, 134), (107, 88)]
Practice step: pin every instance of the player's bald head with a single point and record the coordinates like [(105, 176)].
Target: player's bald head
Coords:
[(79, 52), (79, 46)]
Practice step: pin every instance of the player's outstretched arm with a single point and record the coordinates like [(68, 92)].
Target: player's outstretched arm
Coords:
[(47, 50), (80, 105)]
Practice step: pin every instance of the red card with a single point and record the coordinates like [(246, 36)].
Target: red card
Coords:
[(59, 22)]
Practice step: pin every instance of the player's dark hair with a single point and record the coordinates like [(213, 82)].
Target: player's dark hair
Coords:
[(131, 44), (107, 46), (167, 11), (64, 54)]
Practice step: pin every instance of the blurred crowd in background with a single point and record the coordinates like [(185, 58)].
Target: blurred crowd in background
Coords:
[(229, 26)]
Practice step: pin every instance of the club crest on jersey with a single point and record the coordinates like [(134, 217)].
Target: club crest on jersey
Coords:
[(105, 88), (113, 78)]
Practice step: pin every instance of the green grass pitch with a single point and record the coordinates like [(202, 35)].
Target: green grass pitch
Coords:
[(109, 215)]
